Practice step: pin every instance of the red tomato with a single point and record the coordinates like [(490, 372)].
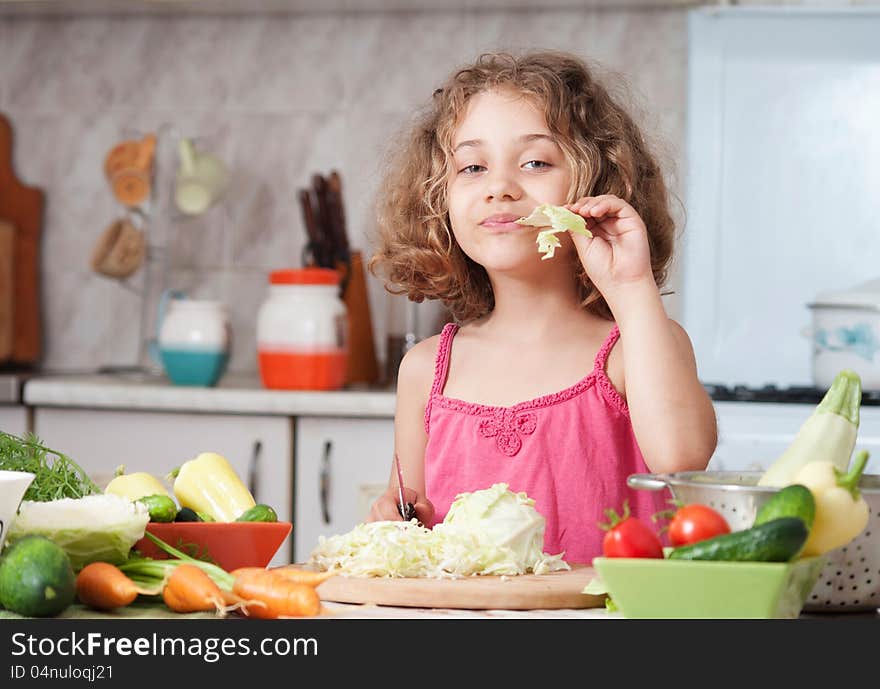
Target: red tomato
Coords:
[(629, 537), (693, 523)]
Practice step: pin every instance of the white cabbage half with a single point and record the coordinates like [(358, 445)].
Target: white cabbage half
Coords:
[(92, 528), (491, 531), (558, 219)]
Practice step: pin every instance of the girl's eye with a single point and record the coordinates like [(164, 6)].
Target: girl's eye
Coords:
[(536, 164), (471, 169)]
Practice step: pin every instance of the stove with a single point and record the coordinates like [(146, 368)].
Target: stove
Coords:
[(774, 394)]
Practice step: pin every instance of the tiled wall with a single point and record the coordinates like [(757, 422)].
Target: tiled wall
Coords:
[(279, 97)]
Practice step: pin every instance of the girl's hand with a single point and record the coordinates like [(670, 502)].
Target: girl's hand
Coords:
[(618, 252), (385, 507)]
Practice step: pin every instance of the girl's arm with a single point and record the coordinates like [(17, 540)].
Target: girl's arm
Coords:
[(672, 416), (414, 380)]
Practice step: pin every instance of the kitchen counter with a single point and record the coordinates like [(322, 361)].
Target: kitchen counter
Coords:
[(234, 395)]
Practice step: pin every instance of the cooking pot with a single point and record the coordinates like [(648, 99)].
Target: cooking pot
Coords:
[(845, 333)]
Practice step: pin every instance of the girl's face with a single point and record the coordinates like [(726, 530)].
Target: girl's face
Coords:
[(505, 162)]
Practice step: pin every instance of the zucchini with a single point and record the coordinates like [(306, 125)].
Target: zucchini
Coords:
[(161, 507), (795, 500), (259, 513), (829, 434), (779, 540)]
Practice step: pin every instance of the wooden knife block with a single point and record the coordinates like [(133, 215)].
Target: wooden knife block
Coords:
[(361, 365)]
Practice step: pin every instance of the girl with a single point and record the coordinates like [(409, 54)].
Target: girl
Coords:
[(562, 376)]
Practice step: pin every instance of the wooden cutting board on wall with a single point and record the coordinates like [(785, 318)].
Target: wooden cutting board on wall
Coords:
[(22, 206), (553, 591), (7, 293)]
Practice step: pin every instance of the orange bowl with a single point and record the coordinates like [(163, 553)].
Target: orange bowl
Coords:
[(228, 544)]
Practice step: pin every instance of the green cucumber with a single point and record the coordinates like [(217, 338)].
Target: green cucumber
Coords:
[(779, 540), (792, 501), (161, 507), (187, 515), (258, 513)]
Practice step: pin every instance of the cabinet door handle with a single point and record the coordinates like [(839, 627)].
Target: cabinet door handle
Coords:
[(325, 482), (254, 469)]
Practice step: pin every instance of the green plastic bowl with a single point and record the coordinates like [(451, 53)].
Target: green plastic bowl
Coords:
[(654, 588)]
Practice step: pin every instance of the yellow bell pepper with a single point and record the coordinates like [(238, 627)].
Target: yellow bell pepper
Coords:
[(210, 485), (135, 486), (841, 512)]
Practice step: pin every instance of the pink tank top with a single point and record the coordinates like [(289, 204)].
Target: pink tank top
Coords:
[(570, 451)]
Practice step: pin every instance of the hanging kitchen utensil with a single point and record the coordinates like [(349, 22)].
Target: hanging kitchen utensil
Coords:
[(129, 169), (120, 250), (22, 206), (201, 179)]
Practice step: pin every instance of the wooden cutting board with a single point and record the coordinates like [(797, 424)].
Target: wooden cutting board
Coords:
[(7, 295), (525, 592), (22, 206)]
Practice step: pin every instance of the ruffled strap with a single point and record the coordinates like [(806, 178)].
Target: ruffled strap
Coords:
[(605, 349), (441, 367)]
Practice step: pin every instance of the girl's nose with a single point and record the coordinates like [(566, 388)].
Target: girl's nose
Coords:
[(501, 185)]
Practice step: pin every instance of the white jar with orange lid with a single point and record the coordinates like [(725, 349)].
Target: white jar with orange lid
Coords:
[(302, 331)]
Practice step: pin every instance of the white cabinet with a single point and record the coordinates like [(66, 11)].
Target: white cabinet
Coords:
[(342, 465), (259, 447), (13, 419)]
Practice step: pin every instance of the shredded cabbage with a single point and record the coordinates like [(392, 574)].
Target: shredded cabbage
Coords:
[(89, 529), (491, 531), (558, 219)]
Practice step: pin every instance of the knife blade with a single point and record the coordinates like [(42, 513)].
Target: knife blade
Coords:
[(406, 509)]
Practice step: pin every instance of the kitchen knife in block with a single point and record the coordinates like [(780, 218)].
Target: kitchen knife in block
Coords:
[(7, 302), (361, 365), (22, 206)]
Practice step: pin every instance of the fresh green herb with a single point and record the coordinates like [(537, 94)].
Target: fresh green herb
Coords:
[(56, 475)]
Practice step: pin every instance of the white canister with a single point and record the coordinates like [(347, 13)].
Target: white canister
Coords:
[(302, 331), (846, 335), (194, 341)]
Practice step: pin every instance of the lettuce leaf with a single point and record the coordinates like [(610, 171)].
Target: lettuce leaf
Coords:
[(558, 219)]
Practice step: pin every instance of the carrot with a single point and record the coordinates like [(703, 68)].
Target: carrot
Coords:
[(291, 573), (190, 589), (103, 586), (304, 576), (270, 595)]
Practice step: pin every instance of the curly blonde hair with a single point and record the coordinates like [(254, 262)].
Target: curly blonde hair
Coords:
[(604, 149)]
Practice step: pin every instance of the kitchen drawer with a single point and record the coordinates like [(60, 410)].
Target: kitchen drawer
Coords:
[(342, 466), (751, 435), (13, 419), (259, 447)]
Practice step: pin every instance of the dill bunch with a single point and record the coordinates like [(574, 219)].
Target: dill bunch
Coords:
[(56, 475)]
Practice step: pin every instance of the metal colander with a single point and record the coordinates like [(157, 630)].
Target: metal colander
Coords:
[(850, 578)]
